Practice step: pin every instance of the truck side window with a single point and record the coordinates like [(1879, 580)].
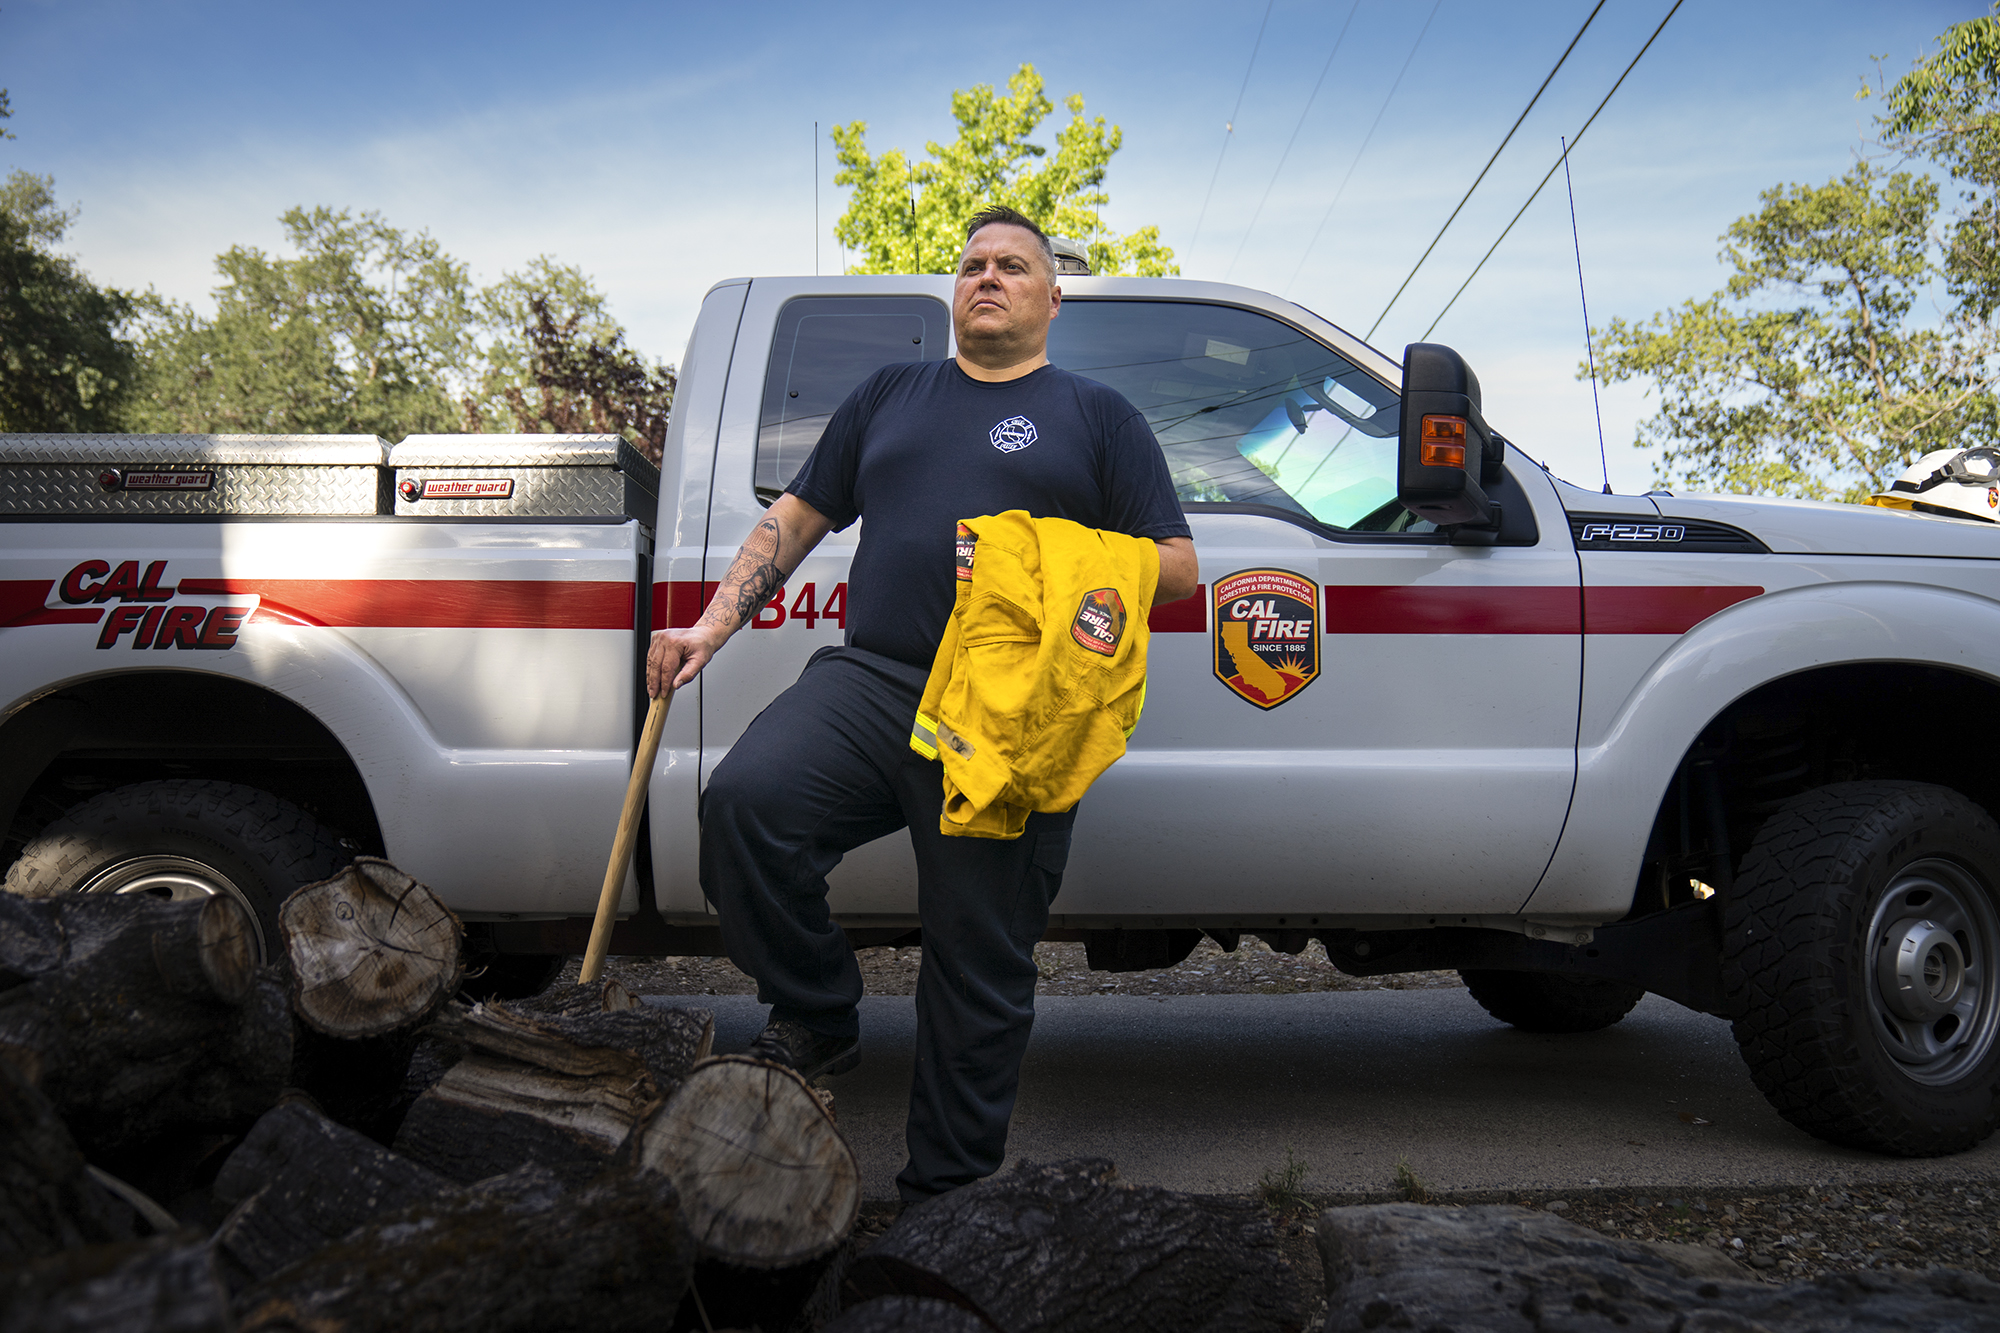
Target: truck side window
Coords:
[(824, 346), (1249, 410)]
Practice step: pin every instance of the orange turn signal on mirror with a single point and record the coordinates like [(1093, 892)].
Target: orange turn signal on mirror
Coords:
[(1442, 442)]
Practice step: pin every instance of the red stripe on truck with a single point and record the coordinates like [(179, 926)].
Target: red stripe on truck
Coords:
[(1409, 609), (434, 603), (21, 604), (678, 604), (1655, 610)]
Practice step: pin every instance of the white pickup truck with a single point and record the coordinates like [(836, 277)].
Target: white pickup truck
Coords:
[(1431, 705)]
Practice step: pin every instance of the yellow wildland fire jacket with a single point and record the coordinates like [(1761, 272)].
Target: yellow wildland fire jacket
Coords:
[(1042, 670)]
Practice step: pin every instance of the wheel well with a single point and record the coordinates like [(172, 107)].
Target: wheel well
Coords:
[(1832, 724), (110, 731)]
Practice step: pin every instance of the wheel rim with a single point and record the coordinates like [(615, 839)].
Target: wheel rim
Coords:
[(176, 879), (1933, 940)]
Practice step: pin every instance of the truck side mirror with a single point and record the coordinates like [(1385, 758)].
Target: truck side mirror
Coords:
[(1447, 448)]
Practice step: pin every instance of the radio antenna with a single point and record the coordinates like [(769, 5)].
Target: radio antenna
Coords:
[(1603, 460)]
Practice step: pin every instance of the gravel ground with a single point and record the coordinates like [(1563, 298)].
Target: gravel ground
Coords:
[(1779, 1235), (1253, 969)]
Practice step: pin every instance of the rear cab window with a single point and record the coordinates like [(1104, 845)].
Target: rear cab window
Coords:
[(1249, 411), (823, 348)]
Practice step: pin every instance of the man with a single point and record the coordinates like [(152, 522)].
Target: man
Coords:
[(828, 766)]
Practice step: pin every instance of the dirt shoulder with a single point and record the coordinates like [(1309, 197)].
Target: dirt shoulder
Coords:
[(1254, 968)]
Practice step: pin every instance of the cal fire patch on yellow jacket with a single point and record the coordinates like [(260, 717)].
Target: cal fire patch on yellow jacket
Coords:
[(1100, 621), (964, 546), (1266, 634)]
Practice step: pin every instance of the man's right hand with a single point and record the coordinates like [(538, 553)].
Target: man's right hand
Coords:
[(678, 655)]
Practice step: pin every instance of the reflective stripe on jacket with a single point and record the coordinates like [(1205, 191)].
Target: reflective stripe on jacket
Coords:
[(1041, 672)]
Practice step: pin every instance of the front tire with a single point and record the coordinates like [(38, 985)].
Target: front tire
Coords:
[(1551, 1001), (183, 840), (1860, 949)]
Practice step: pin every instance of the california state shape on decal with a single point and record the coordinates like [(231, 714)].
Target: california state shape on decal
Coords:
[(1266, 634), (1100, 621)]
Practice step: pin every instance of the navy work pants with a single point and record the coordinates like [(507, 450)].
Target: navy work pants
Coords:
[(824, 769)]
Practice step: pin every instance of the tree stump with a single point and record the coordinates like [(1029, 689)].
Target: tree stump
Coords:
[(1062, 1249), (48, 1200), (299, 1182), (372, 951), (766, 1180), (151, 1020), (612, 1257), (154, 1286), (525, 1093)]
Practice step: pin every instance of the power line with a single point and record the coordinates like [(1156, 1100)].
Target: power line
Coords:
[(1229, 126), (1583, 300), (1365, 139), (1483, 170), (1294, 139), (1552, 171)]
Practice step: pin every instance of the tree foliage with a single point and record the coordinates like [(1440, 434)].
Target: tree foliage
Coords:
[(63, 364), (369, 330), (909, 217), (1856, 330), (1809, 374)]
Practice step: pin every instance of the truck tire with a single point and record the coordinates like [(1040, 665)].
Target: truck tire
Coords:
[(1551, 1001), (183, 839), (1860, 944)]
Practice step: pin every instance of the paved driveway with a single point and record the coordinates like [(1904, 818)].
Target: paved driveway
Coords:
[(1206, 1093)]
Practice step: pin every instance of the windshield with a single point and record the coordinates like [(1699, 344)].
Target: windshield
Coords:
[(1247, 409)]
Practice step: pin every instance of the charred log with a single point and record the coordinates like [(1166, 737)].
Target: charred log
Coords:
[(48, 1200), (613, 1256), (156, 1286), (1062, 1248)]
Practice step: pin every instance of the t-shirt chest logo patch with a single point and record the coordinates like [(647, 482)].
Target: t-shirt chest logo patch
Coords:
[(1013, 434)]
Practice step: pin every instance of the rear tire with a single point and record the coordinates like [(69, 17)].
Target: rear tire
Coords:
[(182, 840), (1551, 1001), (1861, 959)]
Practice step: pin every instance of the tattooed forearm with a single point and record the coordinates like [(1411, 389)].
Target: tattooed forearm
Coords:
[(753, 577)]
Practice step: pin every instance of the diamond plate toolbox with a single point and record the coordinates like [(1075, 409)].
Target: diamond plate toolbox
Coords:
[(539, 476), (121, 475)]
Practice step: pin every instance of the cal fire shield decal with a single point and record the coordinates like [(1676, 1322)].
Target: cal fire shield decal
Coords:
[(1100, 621), (1266, 634)]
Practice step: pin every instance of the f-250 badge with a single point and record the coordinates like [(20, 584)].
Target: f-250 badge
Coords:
[(1266, 634)]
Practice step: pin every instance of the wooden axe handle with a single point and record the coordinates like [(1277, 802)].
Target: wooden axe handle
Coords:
[(628, 834)]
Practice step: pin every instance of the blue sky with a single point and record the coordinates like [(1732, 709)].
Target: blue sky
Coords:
[(661, 147)]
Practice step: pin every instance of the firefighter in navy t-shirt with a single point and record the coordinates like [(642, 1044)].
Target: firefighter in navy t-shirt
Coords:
[(828, 766)]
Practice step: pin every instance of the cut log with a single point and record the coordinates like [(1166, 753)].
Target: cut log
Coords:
[(299, 1182), (910, 1314), (1063, 1249), (765, 1177), (156, 1286), (48, 1200), (372, 951), (614, 1256), (577, 1001), (526, 1093), (160, 1025)]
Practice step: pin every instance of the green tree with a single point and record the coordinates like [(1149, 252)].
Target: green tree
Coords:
[(1947, 109), (909, 217), (1806, 374), (63, 364), (361, 333), (370, 330)]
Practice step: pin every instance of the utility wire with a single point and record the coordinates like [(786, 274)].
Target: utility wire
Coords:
[(1583, 300), (1379, 112), (1229, 126), (1294, 139), (1552, 171), (1483, 170)]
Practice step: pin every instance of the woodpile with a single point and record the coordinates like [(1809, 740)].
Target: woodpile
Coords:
[(340, 1144)]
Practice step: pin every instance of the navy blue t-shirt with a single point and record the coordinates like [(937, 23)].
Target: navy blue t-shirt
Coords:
[(918, 447)]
